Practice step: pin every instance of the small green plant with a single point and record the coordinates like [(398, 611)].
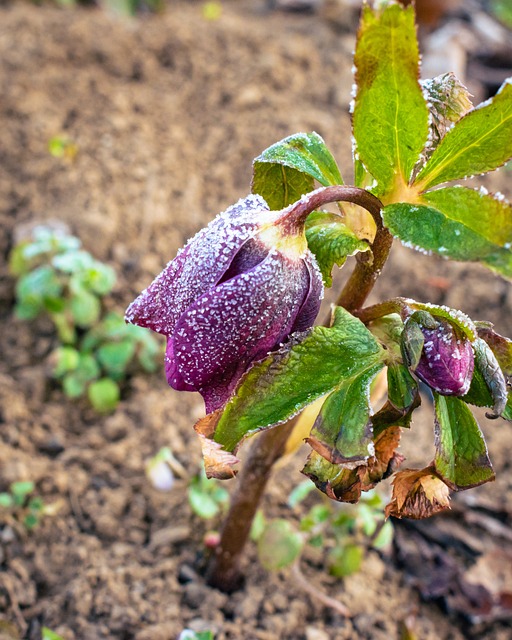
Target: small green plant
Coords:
[(48, 634), (188, 634), (21, 505), (342, 531), (57, 278), (206, 498)]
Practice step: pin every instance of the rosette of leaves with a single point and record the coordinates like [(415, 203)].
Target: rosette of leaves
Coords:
[(57, 277), (410, 140)]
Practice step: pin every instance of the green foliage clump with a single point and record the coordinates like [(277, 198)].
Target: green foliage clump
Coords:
[(57, 278), (20, 504), (342, 532)]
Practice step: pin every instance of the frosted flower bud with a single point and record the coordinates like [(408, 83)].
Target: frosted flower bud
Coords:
[(438, 353), (236, 291)]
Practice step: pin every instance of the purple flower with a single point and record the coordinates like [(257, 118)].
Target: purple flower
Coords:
[(237, 290), (438, 353)]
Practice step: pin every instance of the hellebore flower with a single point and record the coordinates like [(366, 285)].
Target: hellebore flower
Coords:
[(237, 290), (438, 353)]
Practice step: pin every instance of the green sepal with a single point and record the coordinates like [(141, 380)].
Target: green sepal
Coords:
[(342, 432), (461, 454), (403, 399), (280, 386), (390, 114), (488, 386), (331, 241), (307, 153), (500, 346), (480, 141)]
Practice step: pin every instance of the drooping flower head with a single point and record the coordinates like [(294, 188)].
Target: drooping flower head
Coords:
[(237, 290), (438, 353)]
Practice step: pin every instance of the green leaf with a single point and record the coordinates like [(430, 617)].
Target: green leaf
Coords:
[(331, 241), (479, 142), (488, 387), (285, 382), (73, 385), (73, 261), (425, 228), (280, 186), (299, 493), (342, 431), (104, 395), (500, 346), (66, 359), (116, 356), (35, 286), (346, 560), (85, 308), (402, 387), (48, 634), (20, 490), (390, 113), (202, 503), (461, 454), (307, 153), (279, 545), (6, 500), (258, 525)]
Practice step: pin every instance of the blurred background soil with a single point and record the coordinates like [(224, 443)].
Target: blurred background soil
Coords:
[(167, 112)]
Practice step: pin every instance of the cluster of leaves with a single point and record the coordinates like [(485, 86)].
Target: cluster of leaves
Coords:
[(58, 278), (19, 503), (409, 139), (343, 532), (188, 634)]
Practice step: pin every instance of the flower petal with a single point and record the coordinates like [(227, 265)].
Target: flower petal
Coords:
[(311, 305), (197, 267), (174, 377), (237, 322)]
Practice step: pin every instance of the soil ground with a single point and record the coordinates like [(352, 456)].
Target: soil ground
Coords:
[(167, 113)]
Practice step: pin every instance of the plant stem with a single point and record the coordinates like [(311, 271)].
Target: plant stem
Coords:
[(224, 569)]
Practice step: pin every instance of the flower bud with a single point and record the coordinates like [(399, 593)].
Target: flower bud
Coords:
[(438, 353), (236, 291)]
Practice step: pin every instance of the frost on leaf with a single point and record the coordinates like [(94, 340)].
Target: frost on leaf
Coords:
[(418, 494)]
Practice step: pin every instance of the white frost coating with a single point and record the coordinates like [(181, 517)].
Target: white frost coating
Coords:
[(483, 191), (411, 245)]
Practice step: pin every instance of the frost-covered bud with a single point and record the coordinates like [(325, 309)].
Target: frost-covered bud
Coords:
[(237, 290), (438, 353)]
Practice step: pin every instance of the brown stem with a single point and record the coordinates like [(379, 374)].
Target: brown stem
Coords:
[(224, 572), (224, 569)]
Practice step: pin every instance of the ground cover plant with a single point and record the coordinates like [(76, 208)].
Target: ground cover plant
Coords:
[(238, 303), (58, 278)]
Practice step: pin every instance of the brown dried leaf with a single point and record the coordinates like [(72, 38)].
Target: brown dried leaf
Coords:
[(218, 463), (418, 494)]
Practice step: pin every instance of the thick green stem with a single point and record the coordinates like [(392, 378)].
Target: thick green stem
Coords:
[(224, 569)]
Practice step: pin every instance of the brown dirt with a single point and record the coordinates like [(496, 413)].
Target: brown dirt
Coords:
[(167, 113)]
